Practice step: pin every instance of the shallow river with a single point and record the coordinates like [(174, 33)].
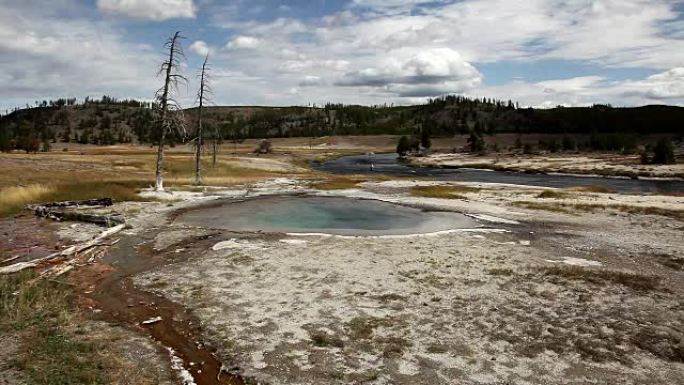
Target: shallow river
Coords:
[(389, 164)]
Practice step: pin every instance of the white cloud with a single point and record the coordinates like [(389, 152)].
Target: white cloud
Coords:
[(244, 42), (423, 73), (156, 10), (372, 51), (52, 57), (572, 85), (666, 86), (200, 47), (310, 81)]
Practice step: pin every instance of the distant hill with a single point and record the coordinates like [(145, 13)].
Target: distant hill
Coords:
[(109, 121)]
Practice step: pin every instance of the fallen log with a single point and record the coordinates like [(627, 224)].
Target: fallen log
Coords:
[(107, 220), (56, 211), (10, 259), (66, 253), (87, 202)]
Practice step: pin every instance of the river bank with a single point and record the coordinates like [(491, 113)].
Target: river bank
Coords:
[(607, 165)]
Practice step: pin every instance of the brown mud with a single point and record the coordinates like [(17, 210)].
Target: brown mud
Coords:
[(25, 237)]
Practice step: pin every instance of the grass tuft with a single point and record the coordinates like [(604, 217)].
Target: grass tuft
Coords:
[(634, 281), (25, 302), (592, 189), (501, 272), (341, 183), (40, 311), (553, 194), (14, 199), (344, 182), (322, 339), (54, 341), (444, 192)]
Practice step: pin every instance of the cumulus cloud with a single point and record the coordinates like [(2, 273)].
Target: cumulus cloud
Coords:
[(244, 42), (310, 81), (54, 57), (156, 10), (424, 73), (667, 86), (664, 86), (200, 47), (370, 51)]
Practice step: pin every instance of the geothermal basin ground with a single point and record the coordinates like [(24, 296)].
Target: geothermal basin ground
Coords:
[(513, 293)]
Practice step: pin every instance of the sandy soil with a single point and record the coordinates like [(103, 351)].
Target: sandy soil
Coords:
[(611, 164), (537, 297)]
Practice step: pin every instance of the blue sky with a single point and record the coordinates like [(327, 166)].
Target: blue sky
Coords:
[(538, 52)]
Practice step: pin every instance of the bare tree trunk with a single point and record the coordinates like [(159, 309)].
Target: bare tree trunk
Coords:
[(159, 175), (200, 139), (164, 99)]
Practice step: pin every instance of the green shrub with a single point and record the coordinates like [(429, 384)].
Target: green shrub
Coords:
[(664, 152), (403, 146)]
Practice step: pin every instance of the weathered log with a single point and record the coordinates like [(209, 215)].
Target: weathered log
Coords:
[(86, 202), (66, 253), (55, 211), (8, 260), (107, 220)]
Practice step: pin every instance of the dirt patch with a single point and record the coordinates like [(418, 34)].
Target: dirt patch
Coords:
[(25, 237)]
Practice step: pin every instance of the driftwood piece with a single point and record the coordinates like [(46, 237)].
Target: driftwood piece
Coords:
[(8, 260), (88, 202), (107, 220), (56, 211), (66, 253)]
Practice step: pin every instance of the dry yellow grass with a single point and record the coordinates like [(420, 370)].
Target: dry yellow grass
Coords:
[(110, 172), (345, 182), (592, 189), (444, 192), (17, 196), (336, 184), (553, 194), (14, 199)]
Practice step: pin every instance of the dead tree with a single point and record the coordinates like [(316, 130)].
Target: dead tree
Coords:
[(202, 94), (170, 68)]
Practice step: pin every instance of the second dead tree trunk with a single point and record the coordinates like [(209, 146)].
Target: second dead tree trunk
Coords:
[(200, 140)]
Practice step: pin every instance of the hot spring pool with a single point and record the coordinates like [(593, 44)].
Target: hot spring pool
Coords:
[(330, 215)]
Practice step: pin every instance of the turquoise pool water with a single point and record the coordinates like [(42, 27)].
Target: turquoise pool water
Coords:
[(331, 215)]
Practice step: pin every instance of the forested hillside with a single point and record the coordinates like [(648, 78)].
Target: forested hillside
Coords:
[(110, 121)]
